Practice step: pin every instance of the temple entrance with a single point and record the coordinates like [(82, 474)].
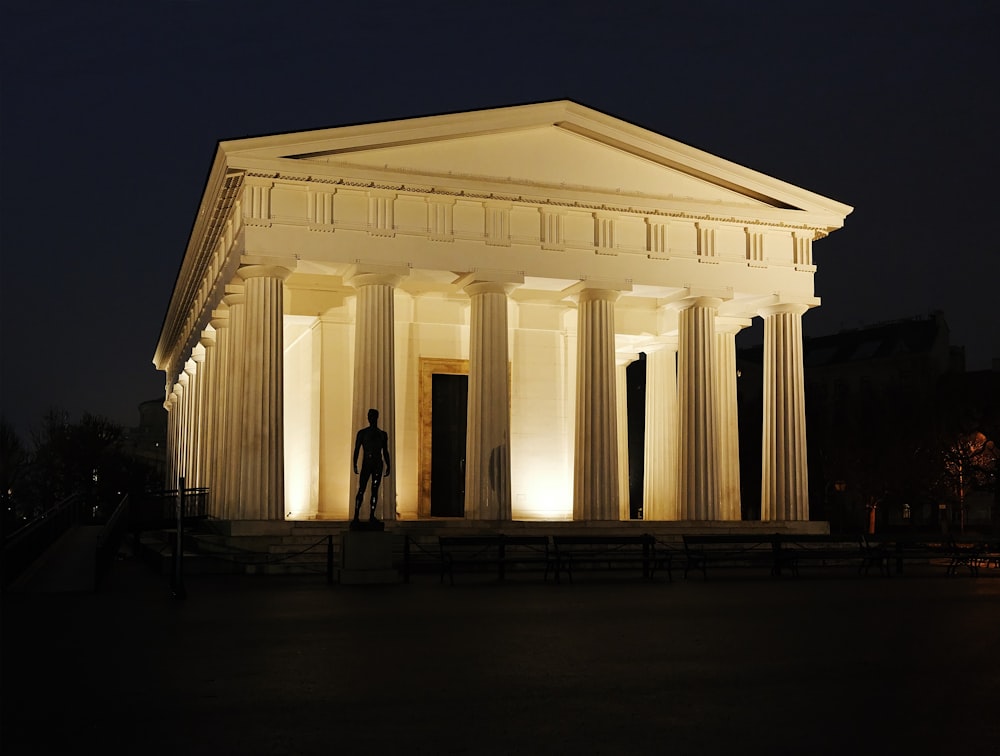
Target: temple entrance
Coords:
[(449, 419)]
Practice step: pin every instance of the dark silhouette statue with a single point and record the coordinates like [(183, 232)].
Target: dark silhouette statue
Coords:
[(375, 443)]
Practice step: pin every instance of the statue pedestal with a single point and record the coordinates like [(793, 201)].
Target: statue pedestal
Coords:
[(366, 557)]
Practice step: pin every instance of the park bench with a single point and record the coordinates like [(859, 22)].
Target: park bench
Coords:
[(968, 553), (893, 551), (499, 552), (730, 550), (601, 551), (822, 549)]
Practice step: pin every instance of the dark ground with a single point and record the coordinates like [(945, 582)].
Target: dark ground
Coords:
[(825, 664)]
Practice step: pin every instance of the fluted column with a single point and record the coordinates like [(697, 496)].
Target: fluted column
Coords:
[(190, 423), (217, 415), (784, 479), (183, 427), (235, 299), (660, 482), (697, 408), (262, 456), (207, 403), (595, 466), (729, 428), (197, 410), (487, 450), (374, 367), (621, 414), (170, 469)]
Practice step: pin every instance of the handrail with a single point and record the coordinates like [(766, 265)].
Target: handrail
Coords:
[(109, 540), (26, 544), (158, 509)]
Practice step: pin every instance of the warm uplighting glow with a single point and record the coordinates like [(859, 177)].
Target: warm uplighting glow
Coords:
[(543, 488), (300, 421)]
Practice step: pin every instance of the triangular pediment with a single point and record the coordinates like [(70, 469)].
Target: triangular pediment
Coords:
[(559, 146), (547, 156)]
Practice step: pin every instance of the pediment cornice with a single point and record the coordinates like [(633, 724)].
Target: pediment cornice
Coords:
[(340, 146), (570, 198)]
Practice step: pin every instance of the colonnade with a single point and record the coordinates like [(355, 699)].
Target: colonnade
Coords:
[(225, 422)]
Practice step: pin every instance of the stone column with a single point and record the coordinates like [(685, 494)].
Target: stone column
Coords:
[(262, 456), (374, 368), (728, 421), (235, 300), (170, 469), (333, 354), (191, 423), (487, 449), (595, 467), (697, 406), (183, 426), (621, 414), (206, 427), (217, 414), (785, 479), (196, 479), (660, 484)]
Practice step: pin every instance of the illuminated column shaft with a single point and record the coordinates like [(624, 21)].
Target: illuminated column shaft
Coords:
[(487, 451), (206, 428), (697, 406), (336, 440), (190, 426), (262, 455), (375, 371), (235, 298), (621, 413), (729, 428), (784, 479), (660, 487), (217, 415), (170, 469), (178, 466), (595, 467), (197, 409), (183, 439)]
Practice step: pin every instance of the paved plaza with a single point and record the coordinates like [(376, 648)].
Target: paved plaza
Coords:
[(826, 664)]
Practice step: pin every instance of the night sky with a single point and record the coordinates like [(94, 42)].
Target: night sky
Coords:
[(111, 112)]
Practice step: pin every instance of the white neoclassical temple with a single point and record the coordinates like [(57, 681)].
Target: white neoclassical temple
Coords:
[(483, 279)]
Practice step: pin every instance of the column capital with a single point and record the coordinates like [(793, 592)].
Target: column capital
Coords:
[(482, 281), (729, 324), (663, 343), (787, 307), (235, 294), (263, 271), (489, 287), (365, 274), (698, 300), (208, 336), (593, 289), (220, 317)]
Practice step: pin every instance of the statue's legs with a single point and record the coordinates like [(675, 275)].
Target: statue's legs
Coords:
[(376, 479), (362, 485)]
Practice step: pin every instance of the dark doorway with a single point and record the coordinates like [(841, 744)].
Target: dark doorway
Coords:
[(635, 382), (449, 418)]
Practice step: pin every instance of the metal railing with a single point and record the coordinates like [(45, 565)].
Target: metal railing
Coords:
[(109, 540), (26, 544), (158, 509)]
